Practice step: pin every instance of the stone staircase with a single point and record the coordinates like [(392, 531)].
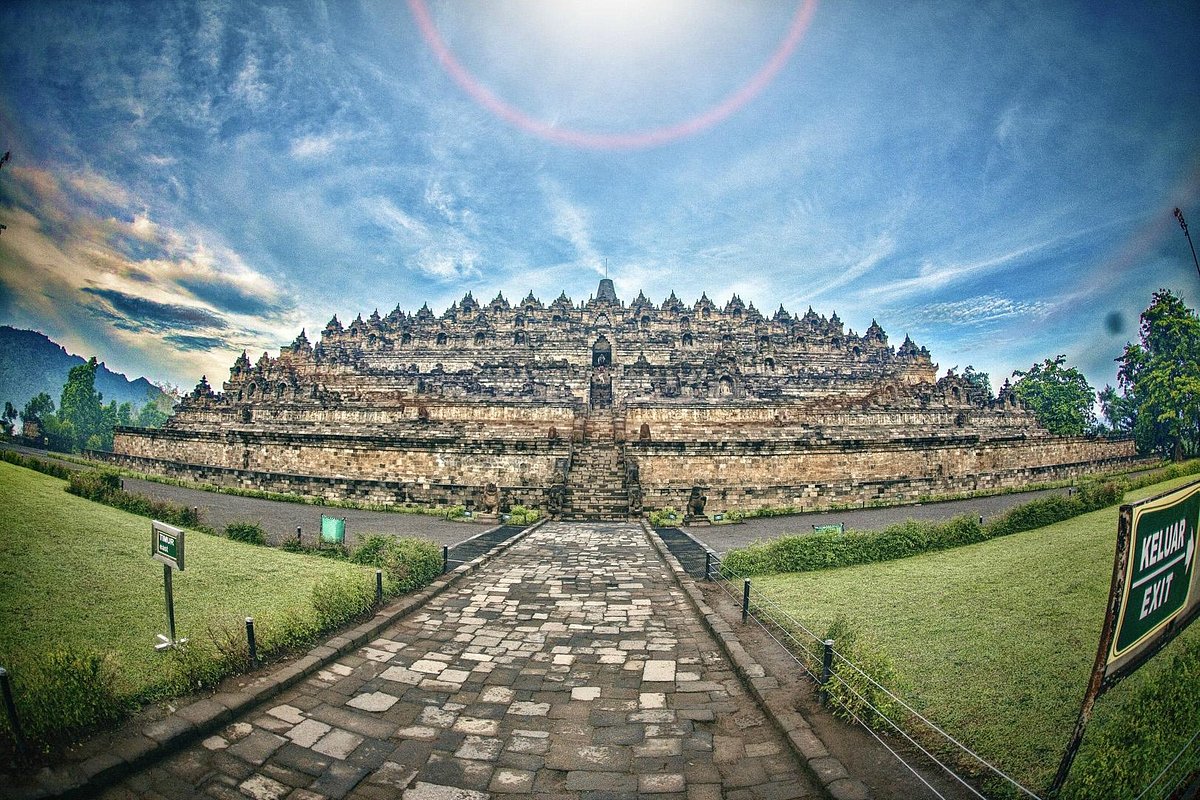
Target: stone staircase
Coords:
[(596, 486)]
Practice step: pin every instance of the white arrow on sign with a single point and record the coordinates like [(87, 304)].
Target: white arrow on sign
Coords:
[(1187, 563)]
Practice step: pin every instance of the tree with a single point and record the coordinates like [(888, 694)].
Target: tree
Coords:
[(125, 414), (1058, 395), (37, 409), (8, 418), (1119, 410), (60, 435), (151, 416), (1160, 377), (80, 404), (980, 380)]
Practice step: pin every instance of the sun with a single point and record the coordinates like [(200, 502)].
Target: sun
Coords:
[(633, 27)]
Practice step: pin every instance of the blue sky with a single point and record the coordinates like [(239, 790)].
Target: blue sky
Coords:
[(996, 180)]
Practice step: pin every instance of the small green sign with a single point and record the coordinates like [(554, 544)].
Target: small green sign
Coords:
[(1161, 564), (333, 530), (166, 544)]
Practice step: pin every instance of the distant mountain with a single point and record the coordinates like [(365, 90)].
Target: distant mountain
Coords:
[(31, 362)]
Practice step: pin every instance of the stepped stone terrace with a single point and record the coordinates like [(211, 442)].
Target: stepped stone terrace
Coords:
[(599, 409)]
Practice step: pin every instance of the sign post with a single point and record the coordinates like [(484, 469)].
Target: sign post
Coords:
[(1153, 597), (166, 545)]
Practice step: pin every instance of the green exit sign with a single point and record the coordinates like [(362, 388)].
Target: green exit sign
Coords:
[(1161, 564), (166, 544)]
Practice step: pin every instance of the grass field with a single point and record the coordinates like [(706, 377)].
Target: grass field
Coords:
[(74, 573), (994, 641)]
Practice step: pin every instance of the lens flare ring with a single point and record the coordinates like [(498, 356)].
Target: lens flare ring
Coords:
[(633, 140)]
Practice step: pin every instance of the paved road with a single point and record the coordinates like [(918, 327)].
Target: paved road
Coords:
[(280, 519), (569, 667), (726, 537)]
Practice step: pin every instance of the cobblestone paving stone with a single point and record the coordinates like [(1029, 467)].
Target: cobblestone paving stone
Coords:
[(569, 667)]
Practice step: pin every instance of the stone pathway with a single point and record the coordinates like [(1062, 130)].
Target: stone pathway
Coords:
[(569, 667)]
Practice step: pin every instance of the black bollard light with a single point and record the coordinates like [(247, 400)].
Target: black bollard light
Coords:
[(253, 646), (378, 586)]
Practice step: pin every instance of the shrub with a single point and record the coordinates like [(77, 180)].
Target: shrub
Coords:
[(63, 694), (94, 484), (664, 518), (104, 486), (1096, 495), (520, 515), (248, 532), (913, 537), (192, 668), (451, 512), (46, 467), (1036, 514), (408, 563), (850, 693), (337, 601), (290, 633)]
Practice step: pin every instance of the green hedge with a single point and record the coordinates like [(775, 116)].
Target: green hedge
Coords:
[(36, 464), (62, 695), (520, 515), (104, 486), (804, 553), (408, 563), (665, 518)]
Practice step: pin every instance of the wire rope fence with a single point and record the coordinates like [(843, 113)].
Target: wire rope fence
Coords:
[(875, 707), (860, 696)]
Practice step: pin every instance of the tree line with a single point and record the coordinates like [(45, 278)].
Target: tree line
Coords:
[(81, 421), (1157, 397)]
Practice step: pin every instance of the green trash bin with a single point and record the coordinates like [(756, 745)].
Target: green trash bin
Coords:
[(333, 530)]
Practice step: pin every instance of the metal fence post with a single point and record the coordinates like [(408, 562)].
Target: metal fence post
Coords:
[(445, 558), (826, 671), (251, 644), (378, 586), (707, 565), (745, 600), (11, 708)]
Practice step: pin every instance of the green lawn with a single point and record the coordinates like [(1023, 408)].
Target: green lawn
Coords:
[(76, 573), (994, 641)]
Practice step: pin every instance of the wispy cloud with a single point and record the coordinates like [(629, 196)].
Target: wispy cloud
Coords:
[(980, 310), (142, 284)]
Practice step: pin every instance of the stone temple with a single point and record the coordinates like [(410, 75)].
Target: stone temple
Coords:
[(600, 409)]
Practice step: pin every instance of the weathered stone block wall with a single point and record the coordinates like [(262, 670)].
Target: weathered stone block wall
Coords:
[(426, 460), (329, 488), (753, 475)]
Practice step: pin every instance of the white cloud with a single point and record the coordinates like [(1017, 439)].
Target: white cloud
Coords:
[(570, 222), (249, 85), (314, 146), (980, 310)]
